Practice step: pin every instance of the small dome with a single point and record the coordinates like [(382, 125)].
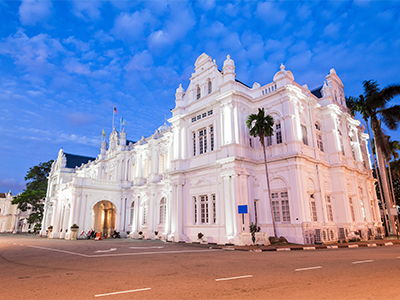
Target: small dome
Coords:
[(180, 89), (163, 127), (283, 74), (228, 61)]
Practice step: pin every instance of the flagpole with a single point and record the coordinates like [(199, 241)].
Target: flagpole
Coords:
[(113, 117)]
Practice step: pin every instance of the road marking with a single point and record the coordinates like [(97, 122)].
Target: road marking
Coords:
[(112, 249), (282, 249), (148, 253), (57, 250), (311, 268), (155, 247), (362, 261), (123, 292), (123, 254), (230, 278)]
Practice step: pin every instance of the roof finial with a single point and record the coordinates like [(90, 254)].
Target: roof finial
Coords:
[(282, 67)]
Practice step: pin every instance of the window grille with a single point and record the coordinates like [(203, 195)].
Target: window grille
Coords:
[(353, 215), (198, 93), (195, 209), (204, 209), (211, 138), (313, 209), (329, 208), (132, 212), (194, 144), (278, 133), (214, 206), (209, 86), (269, 141), (145, 208), (320, 144)]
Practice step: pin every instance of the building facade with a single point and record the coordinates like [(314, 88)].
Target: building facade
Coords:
[(190, 177), (12, 219)]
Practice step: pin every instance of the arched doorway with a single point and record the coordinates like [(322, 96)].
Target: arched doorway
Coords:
[(104, 217)]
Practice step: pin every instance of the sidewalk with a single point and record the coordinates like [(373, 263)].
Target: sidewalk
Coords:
[(388, 241)]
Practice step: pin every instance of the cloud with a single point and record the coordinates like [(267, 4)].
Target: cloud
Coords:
[(79, 45), (87, 10), (131, 26), (10, 184), (270, 13), (34, 54), (77, 119), (34, 11), (141, 61)]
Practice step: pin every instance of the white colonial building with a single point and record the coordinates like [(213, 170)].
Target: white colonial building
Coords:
[(192, 176), (12, 219)]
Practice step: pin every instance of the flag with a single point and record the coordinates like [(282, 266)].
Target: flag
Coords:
[(123, 121), (104, 134), (115, 110)]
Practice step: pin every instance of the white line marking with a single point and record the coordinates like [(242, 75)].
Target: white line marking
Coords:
[(311, 268), (230, 278), (56, 250), (123, 254), (362, 261), (160, 252), (158, 247), (112, 249), (116, 293)]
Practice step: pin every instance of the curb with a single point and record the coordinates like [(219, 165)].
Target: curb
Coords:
[(310, 248)]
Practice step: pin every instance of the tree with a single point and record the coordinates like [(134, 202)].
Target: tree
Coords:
[(261, 126), (372, 105), (34, 192)]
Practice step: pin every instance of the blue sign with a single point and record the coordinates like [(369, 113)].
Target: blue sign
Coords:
[(242, 209)]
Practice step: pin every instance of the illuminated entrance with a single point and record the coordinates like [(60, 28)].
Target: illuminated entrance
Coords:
[(104, 217)]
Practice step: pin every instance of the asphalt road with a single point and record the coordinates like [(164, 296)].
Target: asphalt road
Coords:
[(38, 268)]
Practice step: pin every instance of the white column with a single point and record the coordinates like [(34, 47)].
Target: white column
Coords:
[(228, 207)]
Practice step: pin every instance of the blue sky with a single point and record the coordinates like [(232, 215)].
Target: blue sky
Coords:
[(64, 64)]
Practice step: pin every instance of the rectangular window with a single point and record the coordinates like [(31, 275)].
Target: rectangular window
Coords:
[(205, 141), (320, 144), (329, 208), (194, 144), (198, 117), (342, 146), (195, 209), (353, 215), (285, 207), (277, 214), (363, 209), (194, 119), (204, 115), (250, 142), (304, 134), (214, 205), (269, 141), (210, 112), (313, 209), (211, 138), (353, 153), (204, 209), (255, 212)]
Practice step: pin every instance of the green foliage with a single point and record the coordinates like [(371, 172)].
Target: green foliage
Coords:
[(260, 125), (34, 192)]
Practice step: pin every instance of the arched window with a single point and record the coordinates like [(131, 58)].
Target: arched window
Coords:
[(131, 212), (209, 86), (163, 210), (198, 93)]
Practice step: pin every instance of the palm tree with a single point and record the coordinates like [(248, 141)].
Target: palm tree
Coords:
[(372, 105), (261, 125), (393, 146)]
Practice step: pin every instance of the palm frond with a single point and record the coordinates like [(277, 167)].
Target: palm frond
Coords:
[(390, 116)]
